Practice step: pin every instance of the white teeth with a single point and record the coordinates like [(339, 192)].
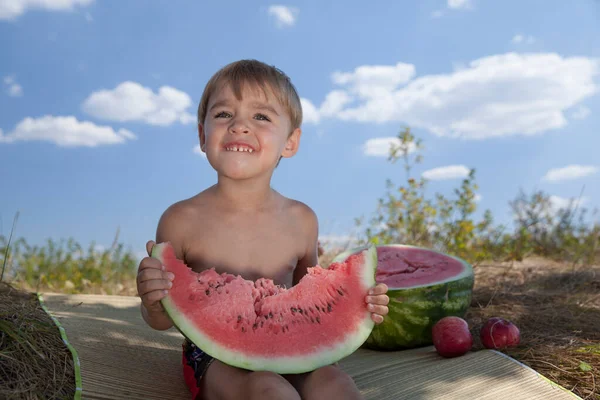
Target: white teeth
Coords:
[(239, 149)]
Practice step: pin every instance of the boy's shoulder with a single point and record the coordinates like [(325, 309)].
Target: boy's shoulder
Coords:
[(186, 208), (300, 209), (302, 215), (179, 216)]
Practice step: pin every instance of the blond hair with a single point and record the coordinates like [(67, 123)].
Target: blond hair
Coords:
[(257, 74)]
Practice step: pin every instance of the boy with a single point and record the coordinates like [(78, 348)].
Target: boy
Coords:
[(249, 117)]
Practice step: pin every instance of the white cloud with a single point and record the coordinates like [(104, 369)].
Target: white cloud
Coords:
[(65, 132), (581, 112), (284, 16), (447, 172), (558, 203), (12, 88), (130, 101), (338, 241), (453, 5), (478, 198), (380, 147), (375, 80), (364, 81), (499, 95), (88, 17), (310, 114), (569, 172), (11, 9), (199, 151), (15, 90), (519, 38), (459, 4), (334, 103)]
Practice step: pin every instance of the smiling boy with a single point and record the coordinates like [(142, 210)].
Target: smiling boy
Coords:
[(249, 118)]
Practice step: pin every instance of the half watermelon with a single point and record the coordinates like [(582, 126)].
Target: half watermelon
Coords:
[(263, 327), (424, 286)]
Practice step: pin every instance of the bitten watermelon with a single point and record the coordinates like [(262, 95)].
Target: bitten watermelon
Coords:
[(263, 327), (424, 286)]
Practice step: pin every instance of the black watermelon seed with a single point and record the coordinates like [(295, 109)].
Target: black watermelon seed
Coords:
[(207, 292), (239, 318), (318, 320), (340, 292), (328, 307)]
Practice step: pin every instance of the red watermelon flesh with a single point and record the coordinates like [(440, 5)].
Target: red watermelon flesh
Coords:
[(414, 267), (261, 326)]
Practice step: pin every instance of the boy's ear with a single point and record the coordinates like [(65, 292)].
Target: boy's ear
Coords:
[(292, 144), (201, 137)]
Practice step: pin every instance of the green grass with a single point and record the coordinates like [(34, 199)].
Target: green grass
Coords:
[(65, 266)]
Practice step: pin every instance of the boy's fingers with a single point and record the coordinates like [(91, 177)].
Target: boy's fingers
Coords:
[(380, 288), (151, 274), (153, 297), (150, 263), (381, 299), (155, 285), (377, 318), (376, 309), (149, 245)]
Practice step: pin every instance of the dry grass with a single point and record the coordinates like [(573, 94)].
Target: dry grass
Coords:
[(557, 309), (34, 361)]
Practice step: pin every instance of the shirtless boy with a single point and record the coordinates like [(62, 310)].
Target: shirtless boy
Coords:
[(249, 117)]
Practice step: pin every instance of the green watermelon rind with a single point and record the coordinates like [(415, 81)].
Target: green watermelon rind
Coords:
[(413, 311), (283, 365)]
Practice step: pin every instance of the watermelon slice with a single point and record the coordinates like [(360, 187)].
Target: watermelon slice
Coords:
[(263, 327), (424, 286)]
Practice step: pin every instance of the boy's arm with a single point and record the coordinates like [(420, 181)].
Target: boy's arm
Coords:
[(308, 221), (169, 229)]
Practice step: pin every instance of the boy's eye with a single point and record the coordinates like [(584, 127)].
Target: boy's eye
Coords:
[(223, 114), (262, 117)]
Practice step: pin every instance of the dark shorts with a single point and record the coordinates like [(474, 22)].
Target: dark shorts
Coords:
[(195, 363)]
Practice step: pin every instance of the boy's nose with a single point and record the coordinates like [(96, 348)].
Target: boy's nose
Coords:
[(238, 126)]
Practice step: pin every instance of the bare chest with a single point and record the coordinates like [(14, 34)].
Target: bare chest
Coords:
[(267, 247)]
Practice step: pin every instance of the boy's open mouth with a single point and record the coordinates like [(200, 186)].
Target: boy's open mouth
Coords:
[(239, 147)]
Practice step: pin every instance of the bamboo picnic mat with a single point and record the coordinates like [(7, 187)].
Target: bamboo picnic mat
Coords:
[(122, 358)]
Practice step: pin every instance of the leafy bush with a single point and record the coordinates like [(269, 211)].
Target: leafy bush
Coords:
[(407, 215), (64, 266)]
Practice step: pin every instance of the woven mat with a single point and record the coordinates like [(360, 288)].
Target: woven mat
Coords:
[(122, 358)]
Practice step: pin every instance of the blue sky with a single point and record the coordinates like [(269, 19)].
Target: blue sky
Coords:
[(98, 99)]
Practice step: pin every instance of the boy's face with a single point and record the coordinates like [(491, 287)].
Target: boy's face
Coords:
[(245, 138)]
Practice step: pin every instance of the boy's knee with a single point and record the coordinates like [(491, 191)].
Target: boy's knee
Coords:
[(330, 375), (268, 385)]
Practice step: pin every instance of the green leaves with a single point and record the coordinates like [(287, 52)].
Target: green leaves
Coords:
[(65, 266), (585, 367), (406, 214), (409, 214)]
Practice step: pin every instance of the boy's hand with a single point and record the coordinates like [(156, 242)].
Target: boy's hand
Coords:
[(153, 281), (377, 301)]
